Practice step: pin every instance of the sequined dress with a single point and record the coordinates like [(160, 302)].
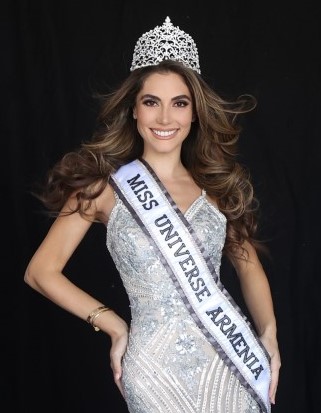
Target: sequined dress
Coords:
[(169, 366)]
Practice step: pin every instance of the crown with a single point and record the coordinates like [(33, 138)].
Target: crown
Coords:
[(165, 42)]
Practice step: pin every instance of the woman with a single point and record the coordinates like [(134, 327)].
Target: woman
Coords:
[(160, 173)]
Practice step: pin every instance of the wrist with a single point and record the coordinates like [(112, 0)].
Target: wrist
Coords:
[(91, 319), (268, 331), (112, 324)]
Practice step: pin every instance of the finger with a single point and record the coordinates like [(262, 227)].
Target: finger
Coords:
[(117, 369), (273, 384), (272, 393), (120, 386), (117, 373)]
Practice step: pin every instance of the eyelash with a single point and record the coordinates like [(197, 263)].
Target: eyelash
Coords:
[(179, 103)]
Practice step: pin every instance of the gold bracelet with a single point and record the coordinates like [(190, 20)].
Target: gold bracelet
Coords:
[(94, 314)]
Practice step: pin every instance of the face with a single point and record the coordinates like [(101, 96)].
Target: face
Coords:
[(164, 113)]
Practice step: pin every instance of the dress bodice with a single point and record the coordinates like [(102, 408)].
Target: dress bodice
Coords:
[(136, 260)]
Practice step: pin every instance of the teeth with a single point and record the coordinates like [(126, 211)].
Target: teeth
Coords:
[(164, 133)]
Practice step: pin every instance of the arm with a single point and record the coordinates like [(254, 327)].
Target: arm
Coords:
[(45, 274), (257, 295)]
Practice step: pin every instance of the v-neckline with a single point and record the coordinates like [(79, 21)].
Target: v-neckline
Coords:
[(167, 194), (203, 193)]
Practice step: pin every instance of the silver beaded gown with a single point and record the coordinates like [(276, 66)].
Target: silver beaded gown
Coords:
[(169, 366)]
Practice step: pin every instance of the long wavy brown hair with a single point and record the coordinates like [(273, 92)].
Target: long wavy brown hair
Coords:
[(209, 153)]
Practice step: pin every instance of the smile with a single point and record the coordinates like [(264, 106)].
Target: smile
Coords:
[(163, 133)]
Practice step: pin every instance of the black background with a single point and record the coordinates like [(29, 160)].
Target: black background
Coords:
[(55, 55)]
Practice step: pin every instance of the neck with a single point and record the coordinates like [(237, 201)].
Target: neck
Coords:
[(166, 166)]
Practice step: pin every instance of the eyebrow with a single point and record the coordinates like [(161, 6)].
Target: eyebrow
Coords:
[(158, 99)]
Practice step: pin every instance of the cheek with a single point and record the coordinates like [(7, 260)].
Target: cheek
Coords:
[(141, 127), (144, 120), (187, 119), (142, 116)]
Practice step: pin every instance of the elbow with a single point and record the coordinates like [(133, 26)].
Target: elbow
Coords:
[(29, 278), (35, 277)]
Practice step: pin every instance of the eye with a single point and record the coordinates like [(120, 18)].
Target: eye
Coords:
[(149, 102), (181, 103)]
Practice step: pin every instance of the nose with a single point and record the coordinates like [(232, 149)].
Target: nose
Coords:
[(164, 114)]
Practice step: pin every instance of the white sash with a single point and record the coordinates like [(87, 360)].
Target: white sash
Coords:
[(193, 274)]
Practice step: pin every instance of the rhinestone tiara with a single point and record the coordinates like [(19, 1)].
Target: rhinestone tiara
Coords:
[(165, 42)]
